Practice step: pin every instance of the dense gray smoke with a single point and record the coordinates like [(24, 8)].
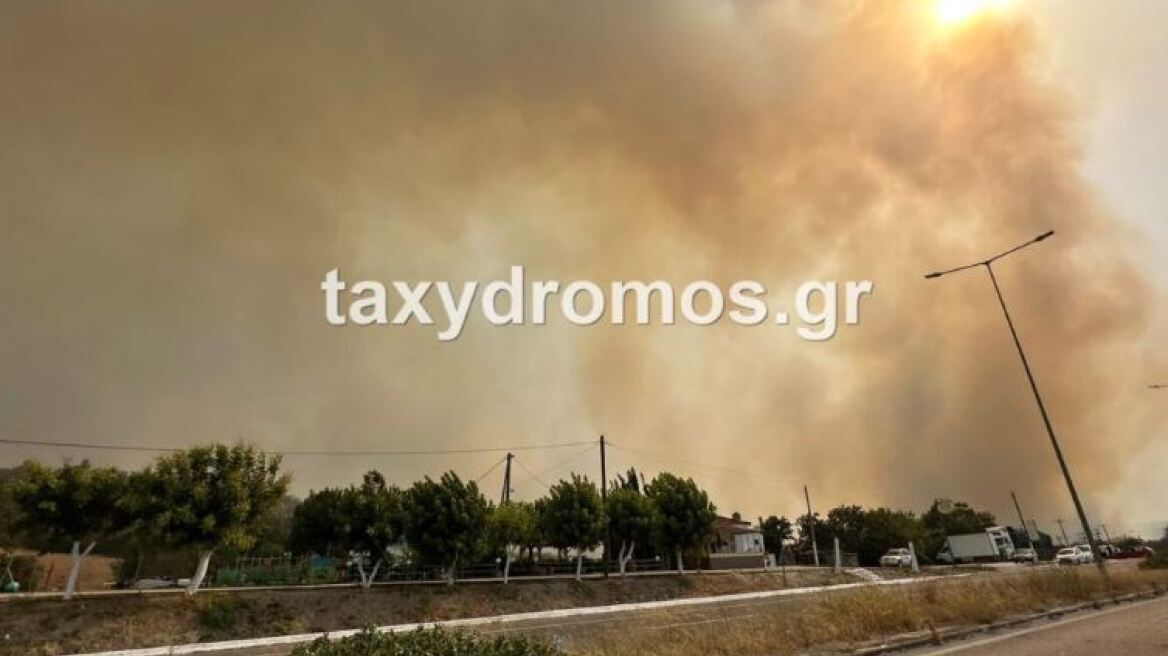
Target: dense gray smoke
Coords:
[(177, 177)]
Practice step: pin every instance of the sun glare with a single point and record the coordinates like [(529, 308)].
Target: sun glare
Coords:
[(958, 11)]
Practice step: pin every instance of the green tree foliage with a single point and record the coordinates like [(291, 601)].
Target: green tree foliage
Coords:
[(316, 524), (275, 532), (76, 503), (510, 526), (810, 526), (372, 516), (9, 510), (685, 514), (631, 518), (574, 517), (445, 521), (630, 480), (776, 530), (869, 533), (210, 497)]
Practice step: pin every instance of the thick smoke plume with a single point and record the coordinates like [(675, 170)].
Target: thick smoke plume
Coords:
[(177, 177)]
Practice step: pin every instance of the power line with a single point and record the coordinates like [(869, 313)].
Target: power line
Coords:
[(491, 469), (545, 472), (340, 454), (693, 463), (530, 473)]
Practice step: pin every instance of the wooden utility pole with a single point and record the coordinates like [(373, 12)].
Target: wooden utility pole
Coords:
[(811, 524), (1025, 529), (506, 496), (604, 501)]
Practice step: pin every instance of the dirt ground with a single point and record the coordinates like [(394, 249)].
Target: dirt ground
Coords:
[(51, 627)]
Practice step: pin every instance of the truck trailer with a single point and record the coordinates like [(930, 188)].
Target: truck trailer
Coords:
[(990, 545)]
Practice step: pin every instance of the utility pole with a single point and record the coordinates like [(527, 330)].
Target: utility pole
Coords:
[(1105, 533), (1025, 529), (604, 501), (1058, 451), (811, 524), (506, 496), (1063, 530)]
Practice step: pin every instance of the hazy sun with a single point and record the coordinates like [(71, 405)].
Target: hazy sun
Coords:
[(956, 11)]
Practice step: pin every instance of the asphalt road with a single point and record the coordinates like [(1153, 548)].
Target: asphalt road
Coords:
[(1138, 629)]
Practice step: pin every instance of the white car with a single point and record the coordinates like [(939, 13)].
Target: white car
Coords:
[(1076, 555), (896, 558)]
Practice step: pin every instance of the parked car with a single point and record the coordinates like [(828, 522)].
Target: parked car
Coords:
[(1136, 551), (154, 583), (896, 558), (1076, 555), (1025, 555)]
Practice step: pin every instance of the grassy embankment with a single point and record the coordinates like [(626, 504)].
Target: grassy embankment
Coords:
[(51, 627), (840, 622)]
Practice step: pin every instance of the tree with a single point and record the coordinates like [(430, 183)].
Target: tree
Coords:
[(510, 526), (869, 533), (78, 503), (274, 534), (9, 509), (685, 514), (574, 517), (631, 518), (811, 529), (445, 520), (316, 526), (371, 519), (630, 480), (210, 497), (775, 531)]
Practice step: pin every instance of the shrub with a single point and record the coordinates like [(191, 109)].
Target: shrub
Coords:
[(217, 617), (436, 642)]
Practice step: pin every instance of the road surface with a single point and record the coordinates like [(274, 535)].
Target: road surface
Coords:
[(1137, 629)]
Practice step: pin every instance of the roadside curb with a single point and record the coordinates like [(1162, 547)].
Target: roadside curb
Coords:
[(937, 638)]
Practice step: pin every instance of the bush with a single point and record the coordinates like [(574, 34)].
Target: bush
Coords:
[(436, 642), (217, 616)]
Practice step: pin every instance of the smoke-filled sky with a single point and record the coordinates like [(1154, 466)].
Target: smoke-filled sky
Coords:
[(176, 178)]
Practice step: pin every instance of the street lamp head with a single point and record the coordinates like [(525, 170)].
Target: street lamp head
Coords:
[(1044, 235), (935, 274)]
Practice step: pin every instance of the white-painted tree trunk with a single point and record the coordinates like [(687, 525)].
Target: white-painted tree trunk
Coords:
[(200, 572), (507, 567), (579, 563), (680, 562), (626, 555), (75, 558), (367, 581)]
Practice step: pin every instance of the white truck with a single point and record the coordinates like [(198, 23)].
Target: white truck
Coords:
[(992, 544)]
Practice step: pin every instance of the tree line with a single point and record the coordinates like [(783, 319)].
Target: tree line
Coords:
[(224, 498), (447, 521), (218, 497)]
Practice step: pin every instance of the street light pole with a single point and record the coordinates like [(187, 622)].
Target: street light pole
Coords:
[(1058, 452)]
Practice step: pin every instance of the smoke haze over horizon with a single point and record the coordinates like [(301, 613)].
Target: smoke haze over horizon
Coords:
[(177, 178)]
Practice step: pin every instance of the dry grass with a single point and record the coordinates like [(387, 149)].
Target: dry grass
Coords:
[(49, 628), (835, 622)]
